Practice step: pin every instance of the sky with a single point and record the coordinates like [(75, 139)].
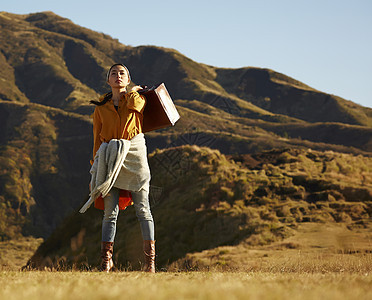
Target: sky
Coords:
[(326, 44)]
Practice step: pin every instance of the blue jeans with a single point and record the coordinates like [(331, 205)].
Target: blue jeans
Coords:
[(111, 212)]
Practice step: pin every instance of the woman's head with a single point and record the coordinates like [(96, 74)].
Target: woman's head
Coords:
[(118, 76)]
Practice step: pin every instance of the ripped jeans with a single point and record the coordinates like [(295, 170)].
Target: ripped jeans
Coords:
[(143, 212)]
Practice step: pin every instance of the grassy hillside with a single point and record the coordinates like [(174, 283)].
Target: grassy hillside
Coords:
[(43, 175), (206, 125), (202, 200), (281, 94), (47, 150)]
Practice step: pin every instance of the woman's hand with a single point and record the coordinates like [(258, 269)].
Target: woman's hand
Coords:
[(136, 88)]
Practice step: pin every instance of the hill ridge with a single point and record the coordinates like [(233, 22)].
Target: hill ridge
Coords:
[(277, 200)]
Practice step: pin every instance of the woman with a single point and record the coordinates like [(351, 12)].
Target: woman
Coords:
[(118, 116)]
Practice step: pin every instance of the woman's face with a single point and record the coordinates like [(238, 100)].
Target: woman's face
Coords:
[(118, 77)]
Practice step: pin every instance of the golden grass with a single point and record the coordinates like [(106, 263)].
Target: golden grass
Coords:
[(313, 248), (320, 261), (189, 285), (15, 253)]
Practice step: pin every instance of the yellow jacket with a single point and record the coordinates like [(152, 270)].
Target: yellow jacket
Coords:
[(125, 123)]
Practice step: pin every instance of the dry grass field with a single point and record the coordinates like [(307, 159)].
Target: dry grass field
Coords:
[(313, 248), (15, 253), (185, 285), (320, 261)]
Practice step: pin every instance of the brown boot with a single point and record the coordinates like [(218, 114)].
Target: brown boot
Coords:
[(149, 251), (107, 263)]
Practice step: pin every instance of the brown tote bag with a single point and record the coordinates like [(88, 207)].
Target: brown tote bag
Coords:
[(160, 111)]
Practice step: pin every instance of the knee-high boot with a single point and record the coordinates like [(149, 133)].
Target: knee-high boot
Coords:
[(149, 251), (107, 249)]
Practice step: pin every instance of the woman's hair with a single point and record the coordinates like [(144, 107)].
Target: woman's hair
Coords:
[(119, 64), (108, 96), (104, 101)]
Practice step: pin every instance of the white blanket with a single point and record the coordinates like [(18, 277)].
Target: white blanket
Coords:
[(119, 163)]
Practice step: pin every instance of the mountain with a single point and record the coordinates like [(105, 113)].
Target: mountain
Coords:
[(51, 68), (43, 167)]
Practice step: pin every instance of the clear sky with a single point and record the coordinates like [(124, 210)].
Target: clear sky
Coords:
[(327, 44)]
